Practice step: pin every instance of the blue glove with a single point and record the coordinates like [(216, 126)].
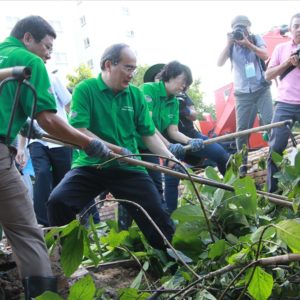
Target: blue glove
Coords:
[(96, 148), (125, 151), (196, 144), (177, 150)]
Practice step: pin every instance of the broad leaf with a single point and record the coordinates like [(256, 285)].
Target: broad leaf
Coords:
[(49, 296), (246, 195), (188, 213), (217, 249), (261, 285), (115, 239), (72, 251), (289, 232), (83, 289), (267, 234), (132, 294)]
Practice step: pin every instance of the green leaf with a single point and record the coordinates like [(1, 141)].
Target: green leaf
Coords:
[(277, 158), (115, 239), (211, 173), (49, 296), (188, 213), (289, 232), (131, 294), (217, 249), (261, 285), (246, 195), (83, 289), (69, 228), (297, 162), (72, 251), (267, 234)]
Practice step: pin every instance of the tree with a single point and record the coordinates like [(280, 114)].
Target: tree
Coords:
[(196, 95), (138, 78), (81, 72)]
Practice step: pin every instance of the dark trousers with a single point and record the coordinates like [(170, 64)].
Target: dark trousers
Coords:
[(50, 166), (81, 185), (279, 137), (214, 152)]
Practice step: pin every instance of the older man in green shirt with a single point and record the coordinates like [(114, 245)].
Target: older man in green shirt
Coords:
[(110, 108), (29, 44)]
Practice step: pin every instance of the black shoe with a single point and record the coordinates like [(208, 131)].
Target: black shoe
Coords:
[(35, 286), (242, 171)]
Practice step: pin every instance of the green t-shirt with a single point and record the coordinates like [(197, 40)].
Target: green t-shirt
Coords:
[(14, 53), (115, 118), (164, 109)]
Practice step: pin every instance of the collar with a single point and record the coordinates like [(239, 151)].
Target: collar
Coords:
[(103, 86), (14, 42)]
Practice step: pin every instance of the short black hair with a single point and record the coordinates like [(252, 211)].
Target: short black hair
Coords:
[(174, 69), (113, 54), (35, 25)]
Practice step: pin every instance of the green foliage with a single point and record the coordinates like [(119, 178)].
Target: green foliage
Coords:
[(137, 80), (81, 72), (244, 226), (261, 285), (83, 289)]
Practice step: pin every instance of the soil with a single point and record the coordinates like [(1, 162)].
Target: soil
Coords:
[(111, 277)]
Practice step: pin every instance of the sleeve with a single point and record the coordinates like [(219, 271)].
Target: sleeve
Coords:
[(80, 112), (145, 125), (147, 91), (260, 41), (41, 82)]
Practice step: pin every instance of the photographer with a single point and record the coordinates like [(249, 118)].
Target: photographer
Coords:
[(247, 53), (285, 57)]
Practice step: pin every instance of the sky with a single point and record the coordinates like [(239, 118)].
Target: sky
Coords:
[(193, 32)]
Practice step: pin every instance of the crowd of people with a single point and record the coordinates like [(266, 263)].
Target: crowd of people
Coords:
[(108, 114)]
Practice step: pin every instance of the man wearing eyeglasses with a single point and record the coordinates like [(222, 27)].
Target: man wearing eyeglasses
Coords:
[(110, 108), (29, 44)]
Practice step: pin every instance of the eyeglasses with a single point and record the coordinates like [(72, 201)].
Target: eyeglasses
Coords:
[(49, 48), (128, 68)]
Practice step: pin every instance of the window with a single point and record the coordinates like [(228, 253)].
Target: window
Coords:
[(90, 64), (86, 42), (82, 21), (125, 11), (60, 58), (130, 33)]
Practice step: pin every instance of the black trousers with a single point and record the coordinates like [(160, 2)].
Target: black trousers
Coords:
[(81, 185)]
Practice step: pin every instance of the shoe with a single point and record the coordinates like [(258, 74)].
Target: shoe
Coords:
[(36, 285), (242, 171)]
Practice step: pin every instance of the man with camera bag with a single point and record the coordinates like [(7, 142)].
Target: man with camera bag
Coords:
[(285, 63), (247, 53)]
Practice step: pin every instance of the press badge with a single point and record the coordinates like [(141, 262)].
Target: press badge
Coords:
[(250, 70)]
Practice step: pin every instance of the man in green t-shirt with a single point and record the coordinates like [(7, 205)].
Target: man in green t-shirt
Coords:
[(29, 44), (110, 108)]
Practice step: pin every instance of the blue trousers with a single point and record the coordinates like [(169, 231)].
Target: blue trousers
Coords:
[(214, 152), (81, 185), (246, 108), (279, 137)]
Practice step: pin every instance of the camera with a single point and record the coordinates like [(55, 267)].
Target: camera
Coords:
[(239, 32)]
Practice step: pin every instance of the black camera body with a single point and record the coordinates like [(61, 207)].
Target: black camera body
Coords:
[(239, 32)]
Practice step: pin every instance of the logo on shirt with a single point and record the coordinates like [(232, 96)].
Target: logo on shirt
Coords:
[(127, 108), (2, 58), (73, 114), (171, 116), (148, 98)]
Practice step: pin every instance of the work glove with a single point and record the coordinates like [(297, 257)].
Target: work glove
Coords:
[(96, 148), (196, 144), (125, 151), (177, 150)]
